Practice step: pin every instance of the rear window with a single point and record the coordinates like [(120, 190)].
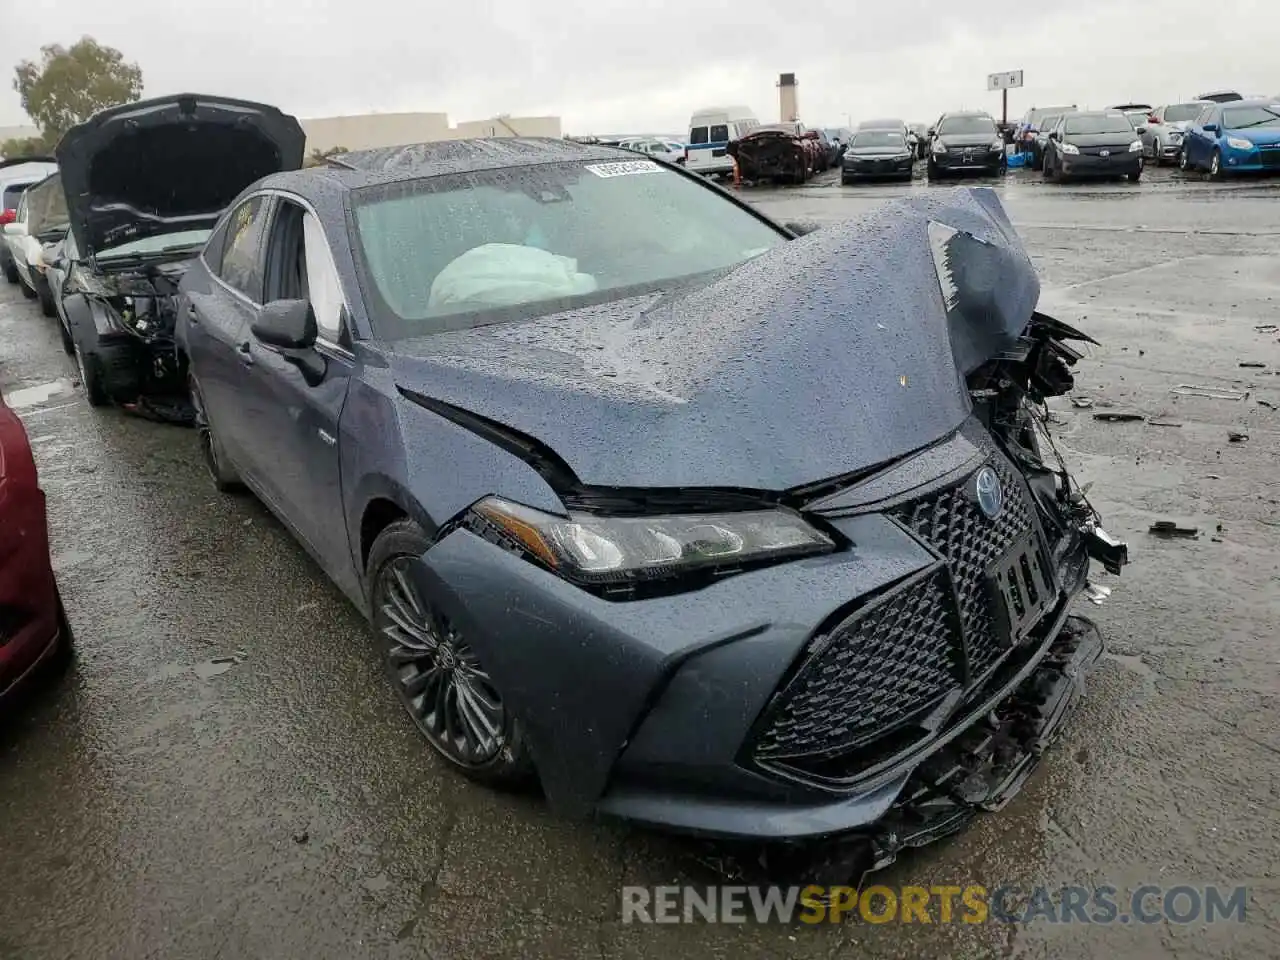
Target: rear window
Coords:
[(1182, 111), (698, 135), (12, 194), (455, 252), (1108, 123), (720, 133)]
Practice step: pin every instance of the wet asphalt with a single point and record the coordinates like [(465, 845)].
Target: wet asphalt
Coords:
[(223, 773)]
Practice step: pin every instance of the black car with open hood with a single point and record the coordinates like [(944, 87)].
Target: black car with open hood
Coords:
[(169, 164), (145, 184)]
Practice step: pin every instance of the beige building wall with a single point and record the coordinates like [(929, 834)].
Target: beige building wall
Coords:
[(508, 127), (366, 131)]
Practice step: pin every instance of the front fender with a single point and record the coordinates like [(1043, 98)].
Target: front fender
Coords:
[(90, 319)]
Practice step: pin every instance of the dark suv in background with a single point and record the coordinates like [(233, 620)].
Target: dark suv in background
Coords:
[(966, 142)]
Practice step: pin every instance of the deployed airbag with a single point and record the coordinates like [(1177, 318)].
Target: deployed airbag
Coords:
[(504, 274)]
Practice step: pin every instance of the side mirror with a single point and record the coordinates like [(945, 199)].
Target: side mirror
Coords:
[(801, 227), (1208, 128), (15, 229), (286, 324), (1142, 129)]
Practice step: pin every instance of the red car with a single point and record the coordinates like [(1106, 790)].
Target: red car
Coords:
[(33, 627)]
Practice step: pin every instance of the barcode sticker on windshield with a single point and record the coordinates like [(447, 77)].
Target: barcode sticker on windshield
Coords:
[(622, 168)]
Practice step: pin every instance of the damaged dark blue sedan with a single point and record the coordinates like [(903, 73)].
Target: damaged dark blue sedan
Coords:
[(702, 523)]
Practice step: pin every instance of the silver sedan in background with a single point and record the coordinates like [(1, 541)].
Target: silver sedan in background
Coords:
[(1165, 128)]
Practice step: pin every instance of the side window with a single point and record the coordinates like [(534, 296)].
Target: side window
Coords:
[(322, 280), (719, 133), (242, 265), (214, 246)]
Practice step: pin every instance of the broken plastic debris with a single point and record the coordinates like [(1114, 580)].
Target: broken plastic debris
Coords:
[(1235, 436), (1117, 417), (1163, 423), (1167, 528), (1095, 593), (1266, 328), (1266, 403), (1252, 363), (1194, 390), (1084, 403)]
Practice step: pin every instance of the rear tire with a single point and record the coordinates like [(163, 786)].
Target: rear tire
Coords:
[(45, 296), (224, 475), (1215, 166), (424, 654)]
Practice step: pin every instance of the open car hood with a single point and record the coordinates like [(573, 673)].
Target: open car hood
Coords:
[(832, 353), (169, 164)]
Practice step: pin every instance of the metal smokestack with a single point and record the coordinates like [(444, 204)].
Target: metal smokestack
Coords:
[(788, 98)]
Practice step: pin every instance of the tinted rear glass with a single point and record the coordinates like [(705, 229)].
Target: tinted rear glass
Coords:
[(1182, 111), (698, 135), (13, 194), (1110, 123)]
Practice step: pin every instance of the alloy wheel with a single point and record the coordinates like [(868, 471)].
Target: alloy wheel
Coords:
[(435, 672), (1215, 164)]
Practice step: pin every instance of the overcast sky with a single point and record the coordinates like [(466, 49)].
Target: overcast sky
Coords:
[(611, 66)]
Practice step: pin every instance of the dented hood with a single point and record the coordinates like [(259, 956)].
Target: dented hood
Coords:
[(834, 352)]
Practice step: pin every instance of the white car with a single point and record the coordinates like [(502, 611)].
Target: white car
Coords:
[(667, 150), (15, 177), (40, 219)]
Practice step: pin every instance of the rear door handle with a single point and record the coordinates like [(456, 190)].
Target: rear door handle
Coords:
[(246, 357)]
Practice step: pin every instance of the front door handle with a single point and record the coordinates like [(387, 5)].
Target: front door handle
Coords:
[(246, 357)]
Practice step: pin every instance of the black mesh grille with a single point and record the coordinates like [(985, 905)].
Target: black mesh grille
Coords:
[(882, 665), (951, 523)]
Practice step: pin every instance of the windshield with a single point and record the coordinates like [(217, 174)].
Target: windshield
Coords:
[(967, 125), (1241, 118), (1182, 111), (159, 243), (447, 253), (1050, 122), (1098, 123), (879, 138)]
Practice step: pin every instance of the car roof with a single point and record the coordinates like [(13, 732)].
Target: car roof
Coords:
[(966, 113), (884, 123), (443, 158)]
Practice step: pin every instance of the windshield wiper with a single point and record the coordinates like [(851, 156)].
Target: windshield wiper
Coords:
[(1257, 123)]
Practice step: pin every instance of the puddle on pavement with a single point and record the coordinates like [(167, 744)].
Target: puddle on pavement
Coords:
[(26, 397)]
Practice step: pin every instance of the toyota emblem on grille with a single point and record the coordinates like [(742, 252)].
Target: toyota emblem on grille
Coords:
[(989, 492)]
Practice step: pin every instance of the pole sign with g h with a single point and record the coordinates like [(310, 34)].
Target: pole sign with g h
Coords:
[(1009, 80)]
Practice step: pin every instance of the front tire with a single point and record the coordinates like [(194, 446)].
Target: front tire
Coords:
[(1184, 162), (105, 371), (28, 292), (435, 672)]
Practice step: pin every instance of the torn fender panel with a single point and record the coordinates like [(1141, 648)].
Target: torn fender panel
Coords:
[(829, 354)]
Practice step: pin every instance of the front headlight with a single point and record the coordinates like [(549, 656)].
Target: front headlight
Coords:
[(1070, 149), (1238, 143), (939, 147), (1175, 137), (595, 549), (1135, 147)]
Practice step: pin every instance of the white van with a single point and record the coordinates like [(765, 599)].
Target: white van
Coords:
[(710, 130)]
